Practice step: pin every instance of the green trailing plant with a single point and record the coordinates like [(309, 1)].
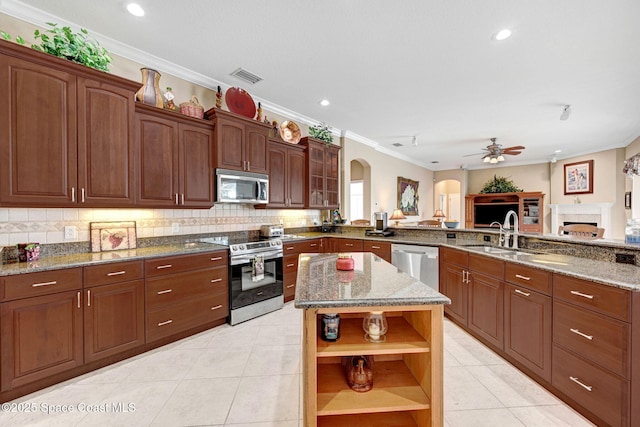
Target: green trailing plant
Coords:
[(500, 184), (64, 43), (321, 132)]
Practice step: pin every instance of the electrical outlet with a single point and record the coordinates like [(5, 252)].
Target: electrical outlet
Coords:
[(626, 258), (175, 227), (70, 232), (486, 238), (451, 235)]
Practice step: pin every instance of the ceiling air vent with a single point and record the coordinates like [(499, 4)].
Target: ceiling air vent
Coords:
[(247, 76), (397, 144)]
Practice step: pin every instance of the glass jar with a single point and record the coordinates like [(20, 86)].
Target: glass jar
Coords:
[(344, 262), (632, 231), (375, 326), (330, 328)]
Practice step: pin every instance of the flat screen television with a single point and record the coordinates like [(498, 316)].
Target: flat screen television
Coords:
[(486, 214)]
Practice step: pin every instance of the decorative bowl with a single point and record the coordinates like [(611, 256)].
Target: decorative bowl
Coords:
[(240, 102), (452, 224)]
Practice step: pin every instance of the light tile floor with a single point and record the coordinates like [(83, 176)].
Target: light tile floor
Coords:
[(249, 376)]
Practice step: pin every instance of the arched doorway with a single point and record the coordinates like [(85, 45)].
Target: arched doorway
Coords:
[(360, 190)]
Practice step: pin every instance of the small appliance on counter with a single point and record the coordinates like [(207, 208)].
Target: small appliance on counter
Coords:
[(271, 231), (380, 225)]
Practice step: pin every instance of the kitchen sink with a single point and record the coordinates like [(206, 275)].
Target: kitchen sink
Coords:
[(499, 250)]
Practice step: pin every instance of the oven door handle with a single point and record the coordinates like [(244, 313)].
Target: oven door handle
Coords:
[(243, 259)]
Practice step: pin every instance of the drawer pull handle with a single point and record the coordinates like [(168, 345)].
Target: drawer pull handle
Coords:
[(313, 244), (526, 294), (348, 244), (577, 332), (35, 285), (219, 279), (519, 276), (160, 267), (166, 322), (259, 293), (166, 291), (216, 307), (89, 298), (78, 299), (580, 294), (216, 258), (375, 247), (116, 273), (577, 381), (290, 265), (289, 248), (290, 286)]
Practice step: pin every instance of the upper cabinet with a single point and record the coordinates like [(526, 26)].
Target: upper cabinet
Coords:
[(241, 143), (286, 175), (174, 159), (484, 209), (322, 181), (66, 132)]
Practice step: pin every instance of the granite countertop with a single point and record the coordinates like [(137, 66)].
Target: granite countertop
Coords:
[(373, 282), (87, 259), (622, 276)]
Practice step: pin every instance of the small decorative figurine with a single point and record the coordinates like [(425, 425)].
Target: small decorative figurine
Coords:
[(219, 98), (259, 116)]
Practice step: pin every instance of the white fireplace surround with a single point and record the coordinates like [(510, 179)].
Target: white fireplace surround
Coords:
[(600, 213)]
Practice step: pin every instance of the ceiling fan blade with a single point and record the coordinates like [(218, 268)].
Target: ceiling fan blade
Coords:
[(515, 147), (474, 154), (512, 153)]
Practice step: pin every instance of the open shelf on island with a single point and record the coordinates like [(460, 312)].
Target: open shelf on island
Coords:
[(394, 389), (384, 419), (401, 337)]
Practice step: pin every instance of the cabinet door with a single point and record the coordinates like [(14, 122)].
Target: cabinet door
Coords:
[(332, 174), (113, 319), (105, 144), (527, 329), (41, 336), (315, 176), (277, 176), (255, 151), (229, 144), (456, 288), (158, 172), (38, 143), (486, 308), (196, 172), (296, 175)]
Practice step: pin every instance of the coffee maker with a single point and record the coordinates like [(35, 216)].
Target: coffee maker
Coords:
[(380, 220)]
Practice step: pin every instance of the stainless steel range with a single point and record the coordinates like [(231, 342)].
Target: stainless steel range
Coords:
[(255, 279)]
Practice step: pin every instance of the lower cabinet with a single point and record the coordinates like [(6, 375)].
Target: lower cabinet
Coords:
[(486, 308), (290, 263), (185, 292), (382, 249)]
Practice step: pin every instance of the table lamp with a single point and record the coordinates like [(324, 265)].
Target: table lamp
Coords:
[(439, 215), (397, 215)]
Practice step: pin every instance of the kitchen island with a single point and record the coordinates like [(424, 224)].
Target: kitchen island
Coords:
[(407, 365)]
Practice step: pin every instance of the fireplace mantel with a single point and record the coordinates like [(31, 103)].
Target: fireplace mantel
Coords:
[(601, 213)]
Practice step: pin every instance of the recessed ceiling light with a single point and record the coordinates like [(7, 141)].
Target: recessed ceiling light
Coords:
[(558, 151), (324, 102), (503, 34), (135, 9)]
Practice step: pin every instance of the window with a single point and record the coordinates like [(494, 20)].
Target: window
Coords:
[(357, 199)]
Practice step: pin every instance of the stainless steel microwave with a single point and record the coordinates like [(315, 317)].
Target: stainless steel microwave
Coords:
[(241, 187)]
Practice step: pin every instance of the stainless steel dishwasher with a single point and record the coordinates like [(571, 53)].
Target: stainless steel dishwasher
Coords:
[(420, 262)]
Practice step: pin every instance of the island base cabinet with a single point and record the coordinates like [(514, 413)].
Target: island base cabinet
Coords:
[(41, 336), (407, 369), (600, 392)]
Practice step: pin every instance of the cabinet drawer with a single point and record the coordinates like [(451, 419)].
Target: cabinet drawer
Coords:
[(176, 289), (489, 266), (453, 256), (600, 339), (41, 283), (308, 246), (602, 393), (178, 318), (290, 264), (105, 274), (347, 245), (382, 249), (177, 264), (528, 277), (602, 298)]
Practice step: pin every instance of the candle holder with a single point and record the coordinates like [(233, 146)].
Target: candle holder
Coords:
[(375, 326)]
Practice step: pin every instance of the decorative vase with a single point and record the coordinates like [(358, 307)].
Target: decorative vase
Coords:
[(359, 373), (150, 92), (375, 326)]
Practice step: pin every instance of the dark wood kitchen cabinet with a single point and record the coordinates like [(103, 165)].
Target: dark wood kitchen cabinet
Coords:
[(323, 174), (486, 298), (527, 318), (241, 143), (113, 309), (286, 175), (482, 209), (174, 159), (291, 251), (66, 132), (454, 283), (41, 325), (185, 292), (382, 249)]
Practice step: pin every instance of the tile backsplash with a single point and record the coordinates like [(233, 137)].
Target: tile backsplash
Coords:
[(47, 225)]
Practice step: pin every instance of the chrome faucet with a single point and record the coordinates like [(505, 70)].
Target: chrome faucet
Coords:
[(507, 226), (501, 238)]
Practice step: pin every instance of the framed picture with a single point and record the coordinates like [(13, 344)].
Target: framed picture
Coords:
[(627, 200), (112, 236), (578, 177), (408, 196)]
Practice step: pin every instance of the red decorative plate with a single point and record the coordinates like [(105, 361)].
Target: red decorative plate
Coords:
[(240, 102)]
